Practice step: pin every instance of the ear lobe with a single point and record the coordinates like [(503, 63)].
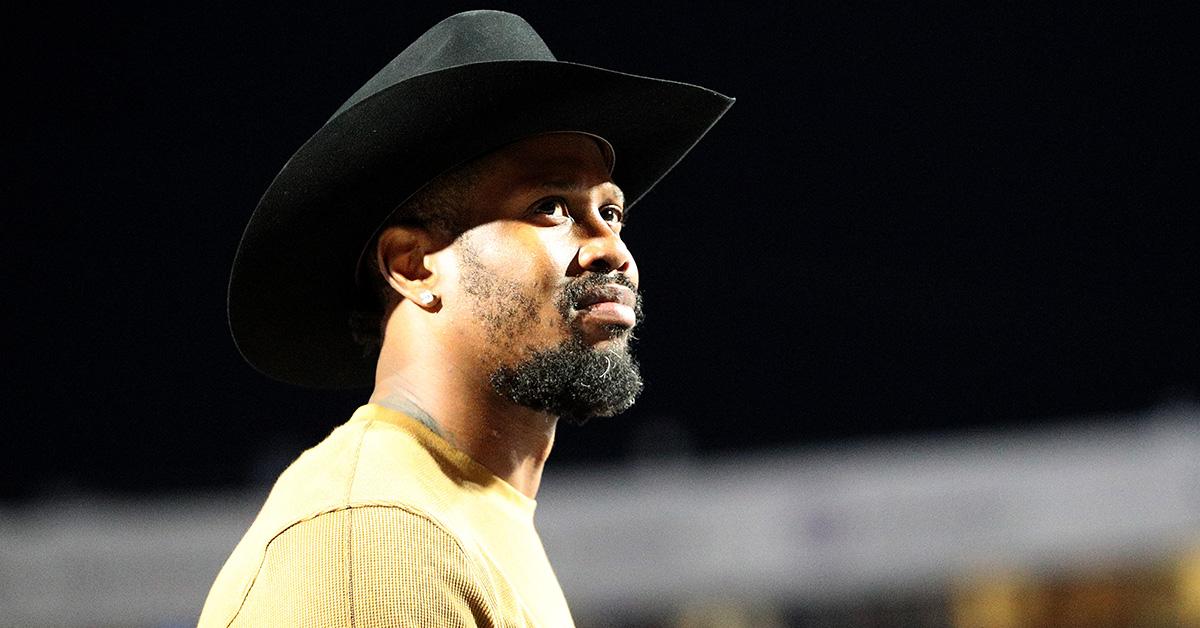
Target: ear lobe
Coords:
[(400, 258)]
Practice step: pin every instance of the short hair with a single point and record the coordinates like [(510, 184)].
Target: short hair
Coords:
[(441, 207)]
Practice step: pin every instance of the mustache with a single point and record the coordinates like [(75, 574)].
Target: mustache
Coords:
[(577, 287), (575, 290)]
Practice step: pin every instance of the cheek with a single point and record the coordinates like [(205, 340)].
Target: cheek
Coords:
[(511, 280), (528, 257)]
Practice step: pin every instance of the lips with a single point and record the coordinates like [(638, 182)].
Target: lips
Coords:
[(608, 293), (601, 309)]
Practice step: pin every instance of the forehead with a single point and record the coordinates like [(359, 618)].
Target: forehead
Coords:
[(571, 161)]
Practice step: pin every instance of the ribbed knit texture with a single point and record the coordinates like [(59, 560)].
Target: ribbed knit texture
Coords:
[(385, 524)]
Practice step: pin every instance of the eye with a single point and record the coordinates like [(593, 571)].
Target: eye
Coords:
[(612, 213), (550, 207)]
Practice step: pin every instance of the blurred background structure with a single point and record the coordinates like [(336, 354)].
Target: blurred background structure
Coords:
[(1092, 523), (921, 345)]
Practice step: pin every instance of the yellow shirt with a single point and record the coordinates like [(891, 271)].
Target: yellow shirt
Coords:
[(385, 524)]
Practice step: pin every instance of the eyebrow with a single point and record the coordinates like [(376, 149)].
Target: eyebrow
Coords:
[(577, 187)]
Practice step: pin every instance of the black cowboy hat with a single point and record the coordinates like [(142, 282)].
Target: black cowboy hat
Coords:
[(471, 84)]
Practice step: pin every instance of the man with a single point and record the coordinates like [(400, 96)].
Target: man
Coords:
[(452, 234)]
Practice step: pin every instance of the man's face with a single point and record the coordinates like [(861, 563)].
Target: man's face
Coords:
[(549, 288)]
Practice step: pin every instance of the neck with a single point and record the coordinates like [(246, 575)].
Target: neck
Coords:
[(511, 441)]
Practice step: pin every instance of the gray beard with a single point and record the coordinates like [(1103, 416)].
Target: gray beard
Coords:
[(573, 381)]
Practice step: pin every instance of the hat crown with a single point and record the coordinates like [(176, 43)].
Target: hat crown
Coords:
[(469, 37)]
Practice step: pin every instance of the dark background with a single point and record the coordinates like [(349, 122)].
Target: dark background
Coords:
[(913, 220)]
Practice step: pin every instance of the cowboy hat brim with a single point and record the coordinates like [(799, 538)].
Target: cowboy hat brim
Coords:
[(293, 288)]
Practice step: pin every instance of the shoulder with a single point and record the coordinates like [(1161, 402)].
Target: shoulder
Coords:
[(367, 566)]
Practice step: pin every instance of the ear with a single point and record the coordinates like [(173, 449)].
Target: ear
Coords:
[(402, 257)]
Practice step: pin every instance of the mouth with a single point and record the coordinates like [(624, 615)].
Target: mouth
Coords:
[(608, 305), (608, 293)]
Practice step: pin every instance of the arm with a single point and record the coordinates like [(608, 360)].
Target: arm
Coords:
[(368, 566)]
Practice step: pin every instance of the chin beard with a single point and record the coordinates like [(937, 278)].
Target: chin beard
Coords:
[(573, 381)]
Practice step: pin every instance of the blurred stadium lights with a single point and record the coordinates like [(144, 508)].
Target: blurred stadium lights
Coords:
[(1092, 522)]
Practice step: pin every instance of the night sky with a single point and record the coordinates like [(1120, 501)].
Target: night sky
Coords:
[(912, 221)]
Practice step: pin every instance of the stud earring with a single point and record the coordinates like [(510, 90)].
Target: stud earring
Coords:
[(426, 297)]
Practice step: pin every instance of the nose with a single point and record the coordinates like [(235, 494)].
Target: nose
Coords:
[(605, 252)]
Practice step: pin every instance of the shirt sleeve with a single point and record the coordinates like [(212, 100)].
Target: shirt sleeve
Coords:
[(367, 567)]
